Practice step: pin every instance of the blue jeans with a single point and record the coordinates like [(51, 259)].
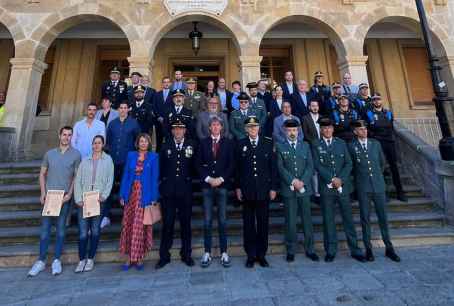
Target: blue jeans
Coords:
[(92, 223), (210, 197), (46, 224)]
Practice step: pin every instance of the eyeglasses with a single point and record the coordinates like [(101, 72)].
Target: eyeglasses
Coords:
[(244, 102)]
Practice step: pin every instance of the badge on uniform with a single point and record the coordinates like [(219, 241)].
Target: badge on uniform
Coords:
[(376, 116), (108, 88), (244, 148), (169, 152), (122, 88), (188, 152), (342, 117)]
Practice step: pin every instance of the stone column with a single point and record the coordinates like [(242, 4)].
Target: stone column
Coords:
[(445, 170), (447, 75), (356, 65), (143, 65), (21, 103), (250, 69)]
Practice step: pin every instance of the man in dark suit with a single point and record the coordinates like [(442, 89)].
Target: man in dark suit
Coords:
[(311, 128), (215, 164), (300, 100), (177, 109), (115, 89), (161, 101), (263, 93), (225, 96), (256, 184), (289, 86), (176, 172), (136, 78), (149, 91), (141, 111)]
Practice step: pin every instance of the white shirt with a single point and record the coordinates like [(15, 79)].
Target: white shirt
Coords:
[(215, 139), (279, 103), (254, 99), (83, 135), (290, 87), (256, 140), (293, 142), (139, 103), (179, 145), (178, 109), (363, 143), (243, 112), (328, 141)]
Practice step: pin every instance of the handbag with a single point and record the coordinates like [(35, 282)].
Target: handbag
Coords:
[(152, 214)]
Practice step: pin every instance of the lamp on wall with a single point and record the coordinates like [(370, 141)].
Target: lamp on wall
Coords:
[(195, 36), (442, 98)]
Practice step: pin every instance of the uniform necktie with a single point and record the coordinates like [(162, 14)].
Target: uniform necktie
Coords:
[(364, 146), (293, 145), (329, 142), (178, 109), (254, 143), (179, 146), (215, 148)]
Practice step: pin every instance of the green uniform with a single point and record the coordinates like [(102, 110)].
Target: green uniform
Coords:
[(195, 102), (236, 123), (334, 161), (296, 164), (260, 108), (370, 185)]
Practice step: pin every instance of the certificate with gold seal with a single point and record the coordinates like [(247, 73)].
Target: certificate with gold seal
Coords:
[(91, 204), (53, 203)]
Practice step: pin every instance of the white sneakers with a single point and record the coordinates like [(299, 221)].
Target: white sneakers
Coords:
[(105, 222), (38, 266), (89, 265), (81, 266), (56, 267), (225, 260), (206, 260)]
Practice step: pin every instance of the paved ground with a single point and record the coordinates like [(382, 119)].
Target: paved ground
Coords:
[(424, 277)]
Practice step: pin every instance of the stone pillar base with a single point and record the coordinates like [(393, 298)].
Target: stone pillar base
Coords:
[(250, 69)]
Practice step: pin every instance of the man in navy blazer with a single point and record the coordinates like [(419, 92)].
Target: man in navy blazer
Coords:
[(216, 166), (225, 96), (289, 86), (300, 100), (161, 100)]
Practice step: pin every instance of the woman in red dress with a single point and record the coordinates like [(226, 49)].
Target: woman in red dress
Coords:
[(139, 189)]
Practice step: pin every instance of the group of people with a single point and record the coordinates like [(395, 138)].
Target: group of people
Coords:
[(323, 144)]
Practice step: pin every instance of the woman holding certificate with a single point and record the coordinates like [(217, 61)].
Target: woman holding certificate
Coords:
[(92, 186), (138, 190)]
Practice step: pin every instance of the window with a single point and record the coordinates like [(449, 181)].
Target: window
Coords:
[(276, 61)]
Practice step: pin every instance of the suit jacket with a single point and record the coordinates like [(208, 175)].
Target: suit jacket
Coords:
[(256, 169), (333, 161), (274, 111), (279, 133), (202, 128), (309, 129), (143, 115), (113, 114), (295, 164), (223, 166), (368, 166), (177, 169), (186, 115), (159, 105), (148, 179), (299, 109), (287, 94), (228, 102), (116, 94)]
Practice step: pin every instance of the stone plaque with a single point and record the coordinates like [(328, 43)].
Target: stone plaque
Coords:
[(176, 7)]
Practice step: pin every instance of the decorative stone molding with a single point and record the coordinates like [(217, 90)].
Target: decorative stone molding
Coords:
[(352, 61), (441, 2), (176, 7), (28, 63), (140, 64), (347, 2)]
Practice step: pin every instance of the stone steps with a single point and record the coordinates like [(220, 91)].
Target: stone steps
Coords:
[(25, 254)]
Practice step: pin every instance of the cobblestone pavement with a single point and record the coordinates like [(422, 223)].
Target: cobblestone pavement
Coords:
[(424, 277)]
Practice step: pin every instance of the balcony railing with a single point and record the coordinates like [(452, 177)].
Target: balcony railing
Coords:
[(425, 128)]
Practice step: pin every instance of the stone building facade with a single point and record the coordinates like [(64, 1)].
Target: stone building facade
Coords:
[(56, 53)]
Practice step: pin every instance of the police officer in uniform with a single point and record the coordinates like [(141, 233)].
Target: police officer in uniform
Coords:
[(296, 168), (257, 104), (176, 160), (334, 166), (369, 163), (331, 104), (343, 118), (363, 102), (115, 89), (238, 116), (178, 108), (142, 111), (256, 184), (194, 100), (381, 127)]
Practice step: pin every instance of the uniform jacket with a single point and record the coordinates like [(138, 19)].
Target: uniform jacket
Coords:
[(295, 164), (197, 102), (321, 92), (116, 94), (143, 115), (177, 168), (368, 166), (223, 166), (148, 179), (187, 118), (236, 123), (343, 123), (148, 95), (256, 169), (332, 161), (260, 108), (381, 126), (362, 105)]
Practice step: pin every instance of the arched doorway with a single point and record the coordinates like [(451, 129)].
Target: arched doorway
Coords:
[(79, 60), (6, 53)]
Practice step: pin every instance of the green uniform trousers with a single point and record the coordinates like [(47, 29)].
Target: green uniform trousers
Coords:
[(294, 207), (328, 203), (379, 199)]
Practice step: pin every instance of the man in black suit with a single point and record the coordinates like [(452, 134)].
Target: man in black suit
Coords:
[(215, 164), (141, 111), (176, 172), (263, 93), (161, 101), (300, 100), (136, 78), (256, 184), (115, 89), (177, 109), (289, 86), (311, 128), (225, 96), (149, 91)]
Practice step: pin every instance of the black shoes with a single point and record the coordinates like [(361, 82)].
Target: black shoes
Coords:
[(263, 262), (188, 261), (329, 258), (392, 255), (161, 263), (250, 263), (402, 197), (312, 256), (369, 255), (290, 258), (359, 257)]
